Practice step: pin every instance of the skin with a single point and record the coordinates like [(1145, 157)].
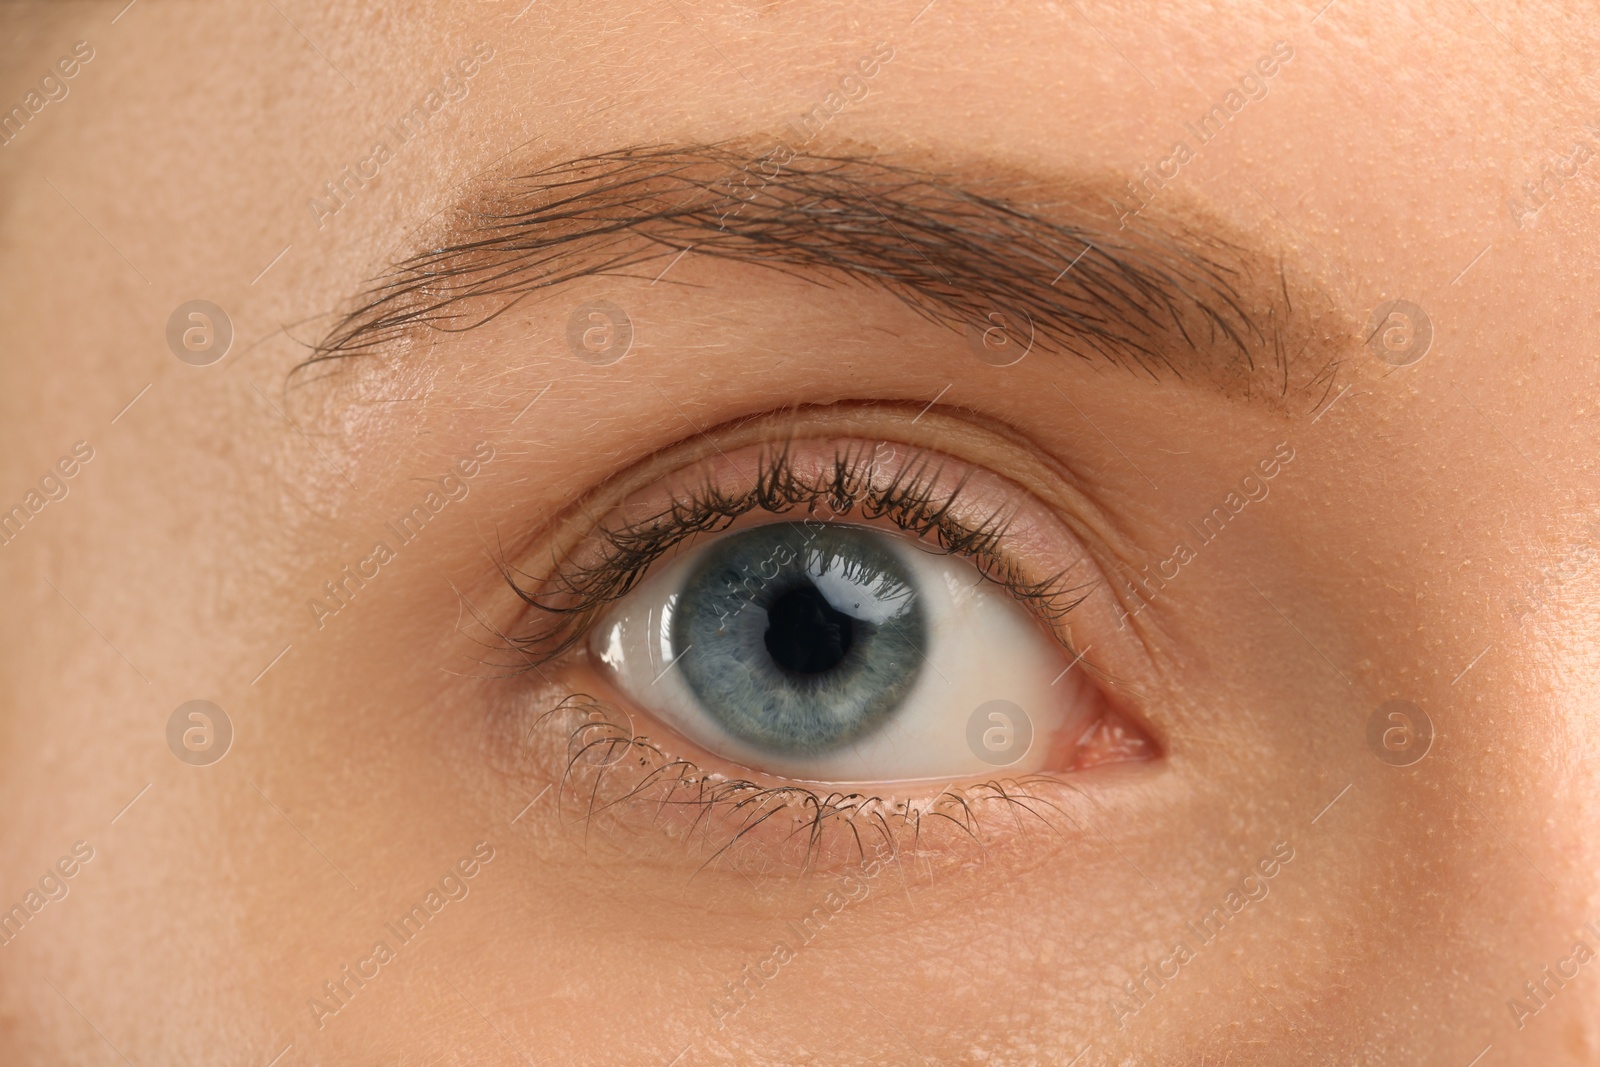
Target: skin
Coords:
[(1391, 560)]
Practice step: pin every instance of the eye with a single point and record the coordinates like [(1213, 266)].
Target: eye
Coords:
[(835, 652), (777, 648)]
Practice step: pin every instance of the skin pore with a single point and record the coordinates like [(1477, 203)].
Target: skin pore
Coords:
[(1261, 876)]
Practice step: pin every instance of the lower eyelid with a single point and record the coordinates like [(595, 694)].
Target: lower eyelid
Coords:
[(618, 786)]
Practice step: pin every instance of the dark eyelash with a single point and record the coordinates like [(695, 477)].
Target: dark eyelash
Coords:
[(569, 598), (725, 811)]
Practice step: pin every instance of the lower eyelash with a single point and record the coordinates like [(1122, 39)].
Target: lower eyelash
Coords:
[(571, 596), (733, 822)]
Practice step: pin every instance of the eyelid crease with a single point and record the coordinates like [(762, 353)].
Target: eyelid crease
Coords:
[(574, 594)]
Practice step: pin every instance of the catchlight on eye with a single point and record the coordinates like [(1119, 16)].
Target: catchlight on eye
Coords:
[(827, 651), (797, 638)]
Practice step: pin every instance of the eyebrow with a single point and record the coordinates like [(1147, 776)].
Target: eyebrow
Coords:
[(1168, 299)]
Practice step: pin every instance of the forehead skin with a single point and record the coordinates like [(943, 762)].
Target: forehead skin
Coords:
[(1427, 543)]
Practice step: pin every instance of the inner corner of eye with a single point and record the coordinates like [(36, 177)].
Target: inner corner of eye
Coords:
[(830, 652)]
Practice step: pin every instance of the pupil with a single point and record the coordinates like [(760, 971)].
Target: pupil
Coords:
[(805, 635)]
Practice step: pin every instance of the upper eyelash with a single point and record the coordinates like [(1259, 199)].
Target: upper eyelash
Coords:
[(573, 594)]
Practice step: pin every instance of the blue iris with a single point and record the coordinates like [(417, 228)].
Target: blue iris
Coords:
[(799, 637)]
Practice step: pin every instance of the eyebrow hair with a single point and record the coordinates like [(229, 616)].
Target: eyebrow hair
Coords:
[(1166, 299)]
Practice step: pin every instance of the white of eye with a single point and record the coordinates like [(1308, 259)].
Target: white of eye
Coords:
[(983, 648)]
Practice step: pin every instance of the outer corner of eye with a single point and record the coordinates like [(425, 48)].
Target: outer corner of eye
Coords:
[(840, 653)]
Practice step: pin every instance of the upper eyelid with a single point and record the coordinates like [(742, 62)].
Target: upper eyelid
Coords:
[(637, 546), (1163, 300)]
